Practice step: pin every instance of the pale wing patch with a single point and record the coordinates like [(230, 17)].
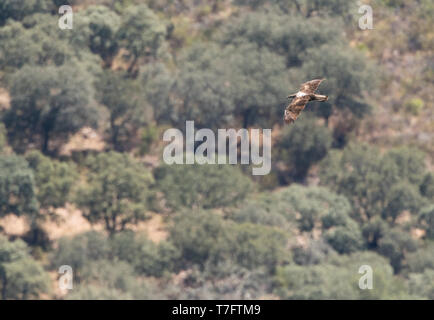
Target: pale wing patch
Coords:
[(301, 94)]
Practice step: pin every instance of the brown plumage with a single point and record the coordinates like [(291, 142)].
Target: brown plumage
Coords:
[(301, 98)]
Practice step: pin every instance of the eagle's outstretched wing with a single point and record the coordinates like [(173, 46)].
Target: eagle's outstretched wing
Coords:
[(294, 109), (310, 86)]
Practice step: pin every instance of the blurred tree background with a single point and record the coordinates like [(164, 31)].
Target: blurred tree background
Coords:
[(82, 181)]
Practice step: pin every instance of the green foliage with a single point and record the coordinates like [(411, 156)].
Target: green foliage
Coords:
[(203, 236), (410, 163), (359, 173), (96, 28), (376, 185), (21, 277), (142, 33), (17, 187), (117, 191), (426, 220), (306, 8), (421, 285), (373, 231), (315, 206), (394, 3), (96, 292), (147, 64), (302, 145), (126, 112), (19, 47), (157, 82), (148, 137), (421, 260), (78, 251), (38, 41), (118, 275), (315, 282), (104, 279), (311, 208), (111, 280), (197, 235), (145, 256), (264, 209), (286, 36), (3, 139), (402, 196), (216, 84), (54, 179), (420, 34), (427, 186), (342, 8), (18, 9), (224, 280), (317, 252), (345, 239), (414, 106), (252, 246), (308, 44), (46, 103), (349, 74), (338, 279), (202, 186), (394, 245), (138, 252), (385, 285)]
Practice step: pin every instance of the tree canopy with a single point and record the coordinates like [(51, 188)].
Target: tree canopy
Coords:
[(117, 191), (202, 186), (17, 187), (47, 103), (21, 277)]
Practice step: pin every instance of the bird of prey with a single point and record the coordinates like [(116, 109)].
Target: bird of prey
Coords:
[(302, 97)]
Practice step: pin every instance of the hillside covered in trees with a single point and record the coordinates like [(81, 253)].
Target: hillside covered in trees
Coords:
[(83, 182)]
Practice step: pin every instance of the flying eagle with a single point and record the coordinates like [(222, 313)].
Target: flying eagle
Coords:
[(302, 97)]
